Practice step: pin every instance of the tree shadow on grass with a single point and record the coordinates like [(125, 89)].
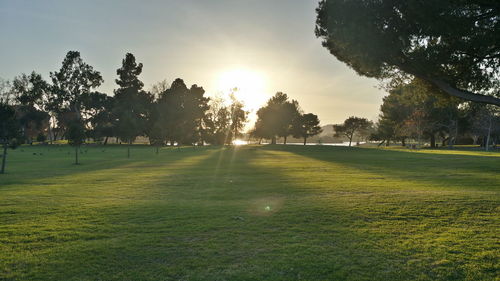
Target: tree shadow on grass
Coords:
[(43, 165), (439, 170)]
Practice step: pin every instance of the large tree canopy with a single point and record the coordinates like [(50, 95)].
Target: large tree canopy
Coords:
[(452, 44), (74, 79)]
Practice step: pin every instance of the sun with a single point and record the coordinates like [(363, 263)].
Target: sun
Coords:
[(250, 84)]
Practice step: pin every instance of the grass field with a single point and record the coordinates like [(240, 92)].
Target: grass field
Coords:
[(250, 213)]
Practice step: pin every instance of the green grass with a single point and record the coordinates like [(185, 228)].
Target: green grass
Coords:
[(250, 213)]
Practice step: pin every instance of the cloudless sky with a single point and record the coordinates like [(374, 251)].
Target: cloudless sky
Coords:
[(196, 40)]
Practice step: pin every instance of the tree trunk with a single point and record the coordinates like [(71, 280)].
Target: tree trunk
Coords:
[(403, 141), (273, 140), (76, 155), (4, 158), (284, 140), (305, 140), (350, 140), (433, 140), (105, 140), (487, 146), (50, 133), (452, 141)]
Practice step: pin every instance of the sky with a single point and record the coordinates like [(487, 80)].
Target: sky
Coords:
[(260, 46)]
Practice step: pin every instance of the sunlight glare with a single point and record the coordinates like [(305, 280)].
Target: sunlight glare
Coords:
[(240, 142), (250, 84)]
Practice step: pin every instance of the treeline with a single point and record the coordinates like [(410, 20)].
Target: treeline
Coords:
[(422, 113), (70, 107)]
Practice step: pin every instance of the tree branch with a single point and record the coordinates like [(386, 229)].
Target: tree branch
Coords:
[(466, 95), (450, 90)]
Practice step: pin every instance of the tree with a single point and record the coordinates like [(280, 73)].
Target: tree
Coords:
[(486, 122), (131, 104), (276, 118), (31, 90), (450, 44), (182, 110), (5, 92), (306, 125), (158, 88), (290, 112), (74, 79), (351, 126), (31, 98), (76, 136), (97, 109), (238, 119), (9, 131), (216, 123)]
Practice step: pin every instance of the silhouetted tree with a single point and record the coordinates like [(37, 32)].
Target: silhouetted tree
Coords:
[(216, 122), (306, 125), (391, 39), (74, 79), (131, 104), (238, 119), (31, 98), (291, 111), (276, 118), (97, 108), (182, 111), (31, 90), (351, 126), (9, 131), (5, 92)]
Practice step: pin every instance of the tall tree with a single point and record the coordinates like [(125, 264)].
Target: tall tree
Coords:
[(450, 44), (239, 117), (74, 79), (216, 123), (306, 125), (183, 110), (132, 103), (351, 127), (290, 112)]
